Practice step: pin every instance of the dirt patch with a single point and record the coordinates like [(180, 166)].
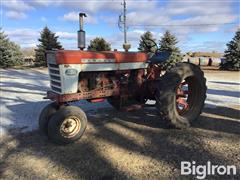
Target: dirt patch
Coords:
[(134, 145)]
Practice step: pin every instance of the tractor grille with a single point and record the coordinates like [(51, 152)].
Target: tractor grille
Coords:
[(55, 79)]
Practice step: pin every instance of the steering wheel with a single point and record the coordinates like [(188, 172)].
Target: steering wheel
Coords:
[(150, 46)]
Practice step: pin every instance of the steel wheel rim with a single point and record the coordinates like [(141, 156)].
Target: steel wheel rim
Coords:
[(183, 93), (70, 127)]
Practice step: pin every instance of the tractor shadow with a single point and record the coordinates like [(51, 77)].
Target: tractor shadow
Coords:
[(225, 83), (33, 74), (219, 119), (22, 81), (147, 117), (234, 94)]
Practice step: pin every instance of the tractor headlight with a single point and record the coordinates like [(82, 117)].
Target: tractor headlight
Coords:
[(71, 72)]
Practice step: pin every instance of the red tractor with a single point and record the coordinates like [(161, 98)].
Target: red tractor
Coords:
[(125, 79)]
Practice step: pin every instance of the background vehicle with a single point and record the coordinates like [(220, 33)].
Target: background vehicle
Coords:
[(126, 79)]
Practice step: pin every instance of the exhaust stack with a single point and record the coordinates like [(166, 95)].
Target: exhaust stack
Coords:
[(81, 32)]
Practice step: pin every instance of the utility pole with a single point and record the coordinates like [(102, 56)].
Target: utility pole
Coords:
[(126, 46), (124, 21)]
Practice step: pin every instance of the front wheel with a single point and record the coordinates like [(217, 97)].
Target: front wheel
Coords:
[(67, 125), (45, 115), (181, 94)]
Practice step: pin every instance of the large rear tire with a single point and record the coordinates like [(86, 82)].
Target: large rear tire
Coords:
[(180, 95), (67, 125), (45, 115)]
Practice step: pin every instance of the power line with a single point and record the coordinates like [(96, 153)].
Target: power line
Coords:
[(156, 25)]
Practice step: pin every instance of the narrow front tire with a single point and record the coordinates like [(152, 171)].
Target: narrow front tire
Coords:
[(67, 125), (45, 115)]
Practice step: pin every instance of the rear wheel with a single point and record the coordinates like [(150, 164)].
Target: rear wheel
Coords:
[(67, 125), (181, 94), (45, 115)]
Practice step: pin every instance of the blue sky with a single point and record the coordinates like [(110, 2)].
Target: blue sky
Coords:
[(205, 25)]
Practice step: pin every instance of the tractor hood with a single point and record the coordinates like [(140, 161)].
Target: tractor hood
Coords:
[(86, 57)]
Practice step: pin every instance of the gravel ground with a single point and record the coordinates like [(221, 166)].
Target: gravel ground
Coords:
[(116, 145)]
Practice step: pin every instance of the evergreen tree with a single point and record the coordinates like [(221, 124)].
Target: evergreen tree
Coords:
[(147, 40), (232, 54), (99, 44), (168, 43), (10, 53), (48, 41)]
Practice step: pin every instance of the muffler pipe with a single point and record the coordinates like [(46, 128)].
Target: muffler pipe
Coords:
[(81, 32)]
